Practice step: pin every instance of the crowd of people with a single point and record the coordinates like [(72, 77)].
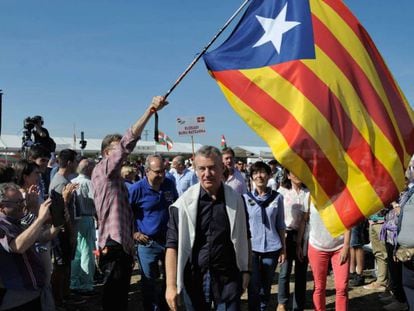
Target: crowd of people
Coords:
[(202, 232)]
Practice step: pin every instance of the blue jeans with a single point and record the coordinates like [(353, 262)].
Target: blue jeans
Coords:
[(300, 275), (233, 305), (149, 256), (263, 271)]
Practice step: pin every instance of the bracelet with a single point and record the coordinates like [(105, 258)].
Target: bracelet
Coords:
[(248, 272)]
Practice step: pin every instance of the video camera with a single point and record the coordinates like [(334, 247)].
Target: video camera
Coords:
[(41, 135), (29, 123)]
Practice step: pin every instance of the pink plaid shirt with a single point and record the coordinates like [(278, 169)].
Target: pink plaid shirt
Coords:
[(114, 213)]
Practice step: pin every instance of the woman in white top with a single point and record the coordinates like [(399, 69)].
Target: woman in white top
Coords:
[(294, 197), (323, 248)]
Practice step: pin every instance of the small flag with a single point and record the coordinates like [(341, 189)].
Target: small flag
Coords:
[(223, 142), (165, 140), (306, 76)]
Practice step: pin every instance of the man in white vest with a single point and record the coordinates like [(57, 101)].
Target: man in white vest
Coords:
[(208, 241)]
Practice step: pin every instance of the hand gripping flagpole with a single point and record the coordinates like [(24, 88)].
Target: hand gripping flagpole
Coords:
[(195, 60)]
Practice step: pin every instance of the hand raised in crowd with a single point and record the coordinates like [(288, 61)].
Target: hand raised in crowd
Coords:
[(68, 190), (32, 199), (44, 210), (158, 102)]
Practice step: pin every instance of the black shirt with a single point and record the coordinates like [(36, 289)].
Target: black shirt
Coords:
[(46, 142), (212, 252)]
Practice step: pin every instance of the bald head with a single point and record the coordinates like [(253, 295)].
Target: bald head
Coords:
[(86, 166), (179, 164)]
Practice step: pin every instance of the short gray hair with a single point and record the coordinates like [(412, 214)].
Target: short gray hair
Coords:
[(150, 157), (4, 187), (207, 151)]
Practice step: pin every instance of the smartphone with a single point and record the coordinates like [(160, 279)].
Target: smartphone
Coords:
[(57, 209)]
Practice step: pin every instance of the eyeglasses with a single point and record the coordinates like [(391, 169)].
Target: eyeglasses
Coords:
[(20, 203), (159, 172)]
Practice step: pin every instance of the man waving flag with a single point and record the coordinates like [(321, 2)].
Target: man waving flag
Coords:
[(306, 76)]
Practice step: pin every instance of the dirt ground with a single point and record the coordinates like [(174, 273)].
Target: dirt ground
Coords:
[(359, 298)]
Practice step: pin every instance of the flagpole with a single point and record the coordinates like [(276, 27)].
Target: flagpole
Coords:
[(197, 58)]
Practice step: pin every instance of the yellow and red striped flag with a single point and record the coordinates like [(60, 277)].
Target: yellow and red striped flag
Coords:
[(306, 76)]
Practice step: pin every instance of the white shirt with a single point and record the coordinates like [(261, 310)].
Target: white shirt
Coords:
[(237, 182), (294, 203), (319, 236)]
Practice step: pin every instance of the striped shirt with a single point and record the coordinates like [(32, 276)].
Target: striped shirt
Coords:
[(18, 271), (114, 213)]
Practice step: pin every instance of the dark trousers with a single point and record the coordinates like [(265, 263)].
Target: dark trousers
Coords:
[(204, 300), (60, 282), (263, 271), (395, 274), (116, 266), (408, 282), (301, 267), (33, 305)]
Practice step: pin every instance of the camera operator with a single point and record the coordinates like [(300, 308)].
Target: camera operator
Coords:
[(41, 134)]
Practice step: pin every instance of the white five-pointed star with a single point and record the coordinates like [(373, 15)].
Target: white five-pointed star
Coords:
[(274, 29)]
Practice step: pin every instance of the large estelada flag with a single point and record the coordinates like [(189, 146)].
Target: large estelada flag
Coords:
[(306, 76)]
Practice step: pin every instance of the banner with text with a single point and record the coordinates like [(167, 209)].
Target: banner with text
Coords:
[(189, 126)]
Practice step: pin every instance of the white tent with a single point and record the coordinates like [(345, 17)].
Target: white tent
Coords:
[(13, 143)]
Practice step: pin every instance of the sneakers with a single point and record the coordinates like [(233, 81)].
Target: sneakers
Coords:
[(396, 306), (357, 280), (375, 286)]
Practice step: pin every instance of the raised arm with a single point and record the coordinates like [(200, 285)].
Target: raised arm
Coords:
[(157, 103), (29, 236)]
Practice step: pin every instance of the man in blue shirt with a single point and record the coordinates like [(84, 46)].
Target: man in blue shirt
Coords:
[(184, 178), (150, 199)]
